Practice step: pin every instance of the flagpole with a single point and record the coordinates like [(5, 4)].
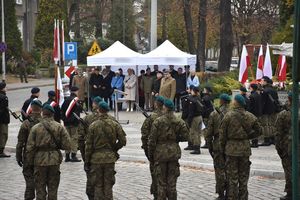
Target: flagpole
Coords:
[(56, 64)]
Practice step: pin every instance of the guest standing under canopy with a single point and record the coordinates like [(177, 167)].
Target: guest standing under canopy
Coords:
[(110, 75), (146, 85), (141, 91), (180, 88), (168, 86), (117, 84), (130, 89), (105, 86), (156, 84), (193, 80), (95, 82)]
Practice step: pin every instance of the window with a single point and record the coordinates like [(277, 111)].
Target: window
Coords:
[(20, 27), (19, 2)]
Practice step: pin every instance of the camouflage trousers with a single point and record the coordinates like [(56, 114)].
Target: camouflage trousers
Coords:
[(72, 130), (219, 165), (3, 136), (286, 161), (46, 179), (153, 189), (195, 131), (237, 172), (167, 174), (102, 180), (268, 125), (90, 192), (28, 173)]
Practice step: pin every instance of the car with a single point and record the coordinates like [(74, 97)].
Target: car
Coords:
[(234, 63), (211, 66)]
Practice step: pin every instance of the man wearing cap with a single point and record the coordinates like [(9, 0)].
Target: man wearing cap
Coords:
[(145, 130), (237, 128), (45, 141), (283, 145), (4, 119), (69, 107), (21, 154), (207, 101), (105, 137), (164, 150), (214, 122), (168, 86), (243, 92), (255, 107), (51, 101), (26, 108)]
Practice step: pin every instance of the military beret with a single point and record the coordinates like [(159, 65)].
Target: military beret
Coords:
[(35, 90), (160, 99), (97, 99), (51, 93), (104, 105), (243, 89), (254, 86), (37, 102), (225, 97), (240, 99), (74, 89), (2, 85), (169, 104), (290, 94), (48, 108), (267, 79)]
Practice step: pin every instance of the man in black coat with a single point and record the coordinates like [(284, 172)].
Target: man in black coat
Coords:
[(105, 86), (111, 74), (243, 92), (173, 72), (4, 119), (180, 87), (55, 105), (95, 83), (26, 108), (156, 84)]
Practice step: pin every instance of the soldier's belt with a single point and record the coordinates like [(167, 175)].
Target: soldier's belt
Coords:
[(45, 149)]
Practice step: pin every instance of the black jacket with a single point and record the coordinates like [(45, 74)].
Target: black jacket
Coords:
[(70, 120), (269, 98), (195, 108), (156, 86), (57, 114), (174, 73), (95, 80), (185, 107), (255, 104), (105, 87), (4, 113), (26, 104), (180, 83), (208, 105), (247, 102)]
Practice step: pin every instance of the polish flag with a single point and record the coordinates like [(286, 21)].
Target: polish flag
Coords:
[(282, 68), (244, 65), (59, 93), (260, 64), (63, 40), (267, 70), (55, 47)]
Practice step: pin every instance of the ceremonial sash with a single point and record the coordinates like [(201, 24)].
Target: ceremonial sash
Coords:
[(71, 106)]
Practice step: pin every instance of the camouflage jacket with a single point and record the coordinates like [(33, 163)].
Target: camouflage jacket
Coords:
[(41, 148), (23, 136), (105, 137), (166, 132), (214, 122), (237, 127), (283, 129)]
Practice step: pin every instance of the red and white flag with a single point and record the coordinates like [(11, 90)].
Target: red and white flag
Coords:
[(244, 65), (56, 42), (63, 40), (282, 68), (260, 64), (267, 70), (59, 89)]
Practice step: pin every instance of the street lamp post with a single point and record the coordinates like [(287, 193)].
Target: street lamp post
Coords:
[(153, 33), (3, 40)]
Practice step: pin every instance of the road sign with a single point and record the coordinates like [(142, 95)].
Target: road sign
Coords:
[(94, 49), (69, 71), (70, 51)]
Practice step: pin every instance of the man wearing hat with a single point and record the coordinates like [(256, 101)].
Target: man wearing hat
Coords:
[(207, 101), (164, 150), (45, 141), (51, 101), (168, 86), (145, 130), (4, 119), (237, 128), (214, 122), (26, 108), (21, 154), (255, 107), (105, 137), (243, 92), (69, 107)]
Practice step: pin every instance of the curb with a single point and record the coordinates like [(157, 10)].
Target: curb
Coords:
[(192, 164), (26, 87)]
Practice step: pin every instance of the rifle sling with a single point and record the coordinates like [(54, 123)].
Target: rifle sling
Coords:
[(52, 136)]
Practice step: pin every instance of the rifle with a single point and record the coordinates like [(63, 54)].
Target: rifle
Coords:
[(27, 116), (14, 114), (80, 120), (80, 104), (142, 110)]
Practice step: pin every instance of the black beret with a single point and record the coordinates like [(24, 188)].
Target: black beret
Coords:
[(243, 89), (35, 90), (74, 89), (51, 93), (254, 86), (2, 85)]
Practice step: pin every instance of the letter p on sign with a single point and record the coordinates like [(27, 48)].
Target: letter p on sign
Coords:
[(70, 51)]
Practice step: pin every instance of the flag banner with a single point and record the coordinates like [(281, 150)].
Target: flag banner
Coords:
[(282, 68), (59, 89), (267, 70), (63, 40), (55, 47), (260, 64), (244, 64)]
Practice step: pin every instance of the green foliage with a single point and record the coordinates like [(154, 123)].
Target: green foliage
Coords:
[(12, 33), (286, 10), (284, 34)]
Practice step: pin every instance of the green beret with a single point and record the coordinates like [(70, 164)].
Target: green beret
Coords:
[(104, 105), (48, 107), (290, 94), (169, 104), (225, 97), (160, 99), (97, 99), (240, 99), (37, 102)]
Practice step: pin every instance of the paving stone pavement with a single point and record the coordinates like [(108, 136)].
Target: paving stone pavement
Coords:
[(133, 180)]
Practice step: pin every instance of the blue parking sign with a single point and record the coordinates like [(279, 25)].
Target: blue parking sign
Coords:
[(70, 51)]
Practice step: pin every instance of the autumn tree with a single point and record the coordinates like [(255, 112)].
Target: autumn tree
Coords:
[(187, 12), (202, 33)]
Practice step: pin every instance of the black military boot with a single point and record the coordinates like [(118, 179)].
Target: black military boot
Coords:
[(254, 143), (74, 158), (67, 159), (196, 150), (286, 197), (3, 155), (189, 147)]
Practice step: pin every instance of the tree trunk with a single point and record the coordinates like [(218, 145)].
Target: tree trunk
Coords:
[(226, 36), (189, 25), (77, 19), (99, 18), (202, 33)]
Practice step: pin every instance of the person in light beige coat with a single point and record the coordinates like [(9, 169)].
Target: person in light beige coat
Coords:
[(130, 82), (168, 86)]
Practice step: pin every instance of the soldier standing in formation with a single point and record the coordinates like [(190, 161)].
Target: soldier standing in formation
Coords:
[(237, 127), (105, 137), (283, 142), (4, 119), (214, 122), (70, 106), (164, 150), (207, 102), (26, 108), (55, 105), (145, 130), (21, 154), (243, 92), (43, 151)]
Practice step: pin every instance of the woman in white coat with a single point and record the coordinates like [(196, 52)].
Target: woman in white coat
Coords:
[(130, 89), (193, 80)]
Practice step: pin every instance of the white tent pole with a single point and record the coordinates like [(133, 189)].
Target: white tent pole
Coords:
[(153, 30)]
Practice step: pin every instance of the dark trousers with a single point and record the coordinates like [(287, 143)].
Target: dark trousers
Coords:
[(177, 101), (23, 74), (142, 101)]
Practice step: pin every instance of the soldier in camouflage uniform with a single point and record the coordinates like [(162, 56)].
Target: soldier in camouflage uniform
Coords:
[(164, 150), (282, 137), (105, 137), (145, 130), (214, 122), (21, 154), (237, 127), (43, 151)]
